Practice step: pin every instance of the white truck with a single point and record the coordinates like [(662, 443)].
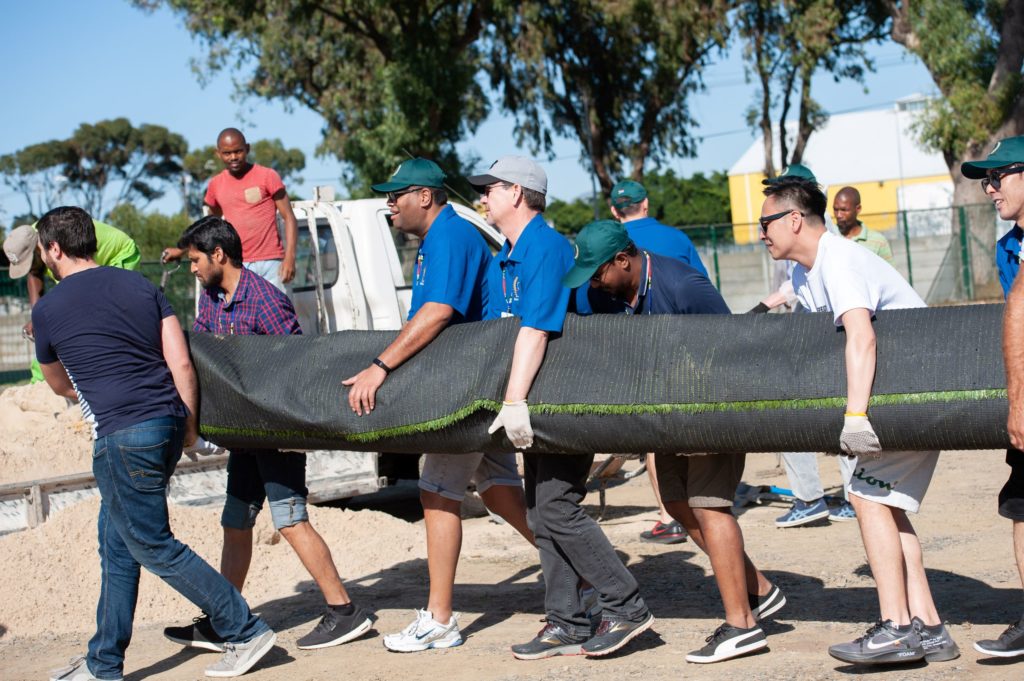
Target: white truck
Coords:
[(353, 271)]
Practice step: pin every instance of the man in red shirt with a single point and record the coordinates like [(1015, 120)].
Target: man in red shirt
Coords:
[(250, 196)]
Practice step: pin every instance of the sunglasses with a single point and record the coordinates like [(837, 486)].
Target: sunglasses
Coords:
[(393, 196), (769, 219), (995, 177)]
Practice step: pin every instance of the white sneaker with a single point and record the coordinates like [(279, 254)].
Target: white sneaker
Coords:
[(75, 671), (238, 658), (425, 633)]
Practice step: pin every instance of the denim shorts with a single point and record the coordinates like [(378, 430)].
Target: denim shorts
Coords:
[(255, 475), (450, 474)]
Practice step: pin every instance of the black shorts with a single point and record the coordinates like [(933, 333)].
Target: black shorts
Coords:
[(1011, 497)]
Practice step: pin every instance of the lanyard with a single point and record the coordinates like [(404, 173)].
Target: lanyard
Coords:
[(504, 287), (647, 290), (419, 268), (231, 315)]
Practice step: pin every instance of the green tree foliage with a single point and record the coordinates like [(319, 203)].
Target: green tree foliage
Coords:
[(152, 231), (389, 78), (786, 42), (974, 50), (99, 160), (677, 201), (614, 74)]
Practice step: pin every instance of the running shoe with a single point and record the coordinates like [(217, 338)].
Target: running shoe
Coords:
[(728, 642), (425, 633), (803, 513), (77, 670), (883, 643), (672, 533), (334, 629), (938, 645), (1009, 644), (613, 634), (199, 634), (842, 513), (238, 658), (550, 641)]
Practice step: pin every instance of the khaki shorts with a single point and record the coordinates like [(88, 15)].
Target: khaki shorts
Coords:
[(450, 474), (701, 480), (898, 479)]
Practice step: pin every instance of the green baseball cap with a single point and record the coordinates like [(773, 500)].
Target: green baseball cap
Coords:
[(1006, 152), (596, 244), (793, 170), (416, 172), (627, 192)]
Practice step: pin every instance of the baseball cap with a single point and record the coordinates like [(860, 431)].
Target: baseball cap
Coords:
[(19, 247), (793, 170), (596, 244), (416, 172), (627, 192), (515, 169), (1006, 152)]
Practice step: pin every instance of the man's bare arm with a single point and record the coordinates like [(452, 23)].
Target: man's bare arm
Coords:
[(178, 361), (57, 378), (1013, 360), (531, 344), (291, 235), (428, 322), (860, 359)]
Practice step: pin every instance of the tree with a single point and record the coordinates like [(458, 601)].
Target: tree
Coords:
[(152, 232), (108, 158), (974, 50), (389, 78), (787, 42), (614, 74), (203, 163)]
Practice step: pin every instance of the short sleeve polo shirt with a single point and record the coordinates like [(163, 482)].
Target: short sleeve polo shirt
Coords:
[(526, 281), (1008, 257), (670, 286), (451, 267)]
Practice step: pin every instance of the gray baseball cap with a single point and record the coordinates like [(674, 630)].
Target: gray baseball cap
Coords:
[(19, 247), (515, 169)]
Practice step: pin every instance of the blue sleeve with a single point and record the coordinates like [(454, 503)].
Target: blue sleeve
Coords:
[(45, 352), (165, 306), (448, 279), (581, 300), (492, 290), (544, 298), (693, 257)]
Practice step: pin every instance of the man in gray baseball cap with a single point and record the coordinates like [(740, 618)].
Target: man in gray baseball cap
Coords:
[(520, 170)]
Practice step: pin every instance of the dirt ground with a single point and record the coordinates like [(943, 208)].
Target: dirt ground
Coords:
[(822, 570)]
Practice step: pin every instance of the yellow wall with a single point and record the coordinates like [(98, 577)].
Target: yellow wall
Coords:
[(878, 202)]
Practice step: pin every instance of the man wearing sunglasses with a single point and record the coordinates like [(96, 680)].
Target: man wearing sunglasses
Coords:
[(1002, 178), (447, 288), (697, 490), (838, 276)]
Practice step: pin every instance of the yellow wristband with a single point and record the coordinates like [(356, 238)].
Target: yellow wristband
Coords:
[(850, 413)]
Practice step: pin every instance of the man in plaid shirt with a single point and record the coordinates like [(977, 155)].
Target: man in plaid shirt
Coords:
[(234, 301)]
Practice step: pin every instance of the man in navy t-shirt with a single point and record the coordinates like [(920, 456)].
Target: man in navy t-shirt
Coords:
[(697, 490), (447, 288), (108, 337)]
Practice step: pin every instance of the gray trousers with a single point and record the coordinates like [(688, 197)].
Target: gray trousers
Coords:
[(572, 545), (802, 471)]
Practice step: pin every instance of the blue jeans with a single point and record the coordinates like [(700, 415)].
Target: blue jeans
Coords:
[(132, 467)]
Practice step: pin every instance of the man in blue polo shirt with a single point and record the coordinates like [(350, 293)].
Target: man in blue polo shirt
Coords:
[(109, 338), (697, 490), (1002, 178), (447, 288), (525, 281)]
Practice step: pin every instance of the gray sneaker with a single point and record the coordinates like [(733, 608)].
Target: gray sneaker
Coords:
[(238, 658), (884, 643), (938, 645), (77, 670)]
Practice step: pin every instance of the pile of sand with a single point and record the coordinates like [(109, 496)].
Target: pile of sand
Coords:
[(43, 435), (52, 573)]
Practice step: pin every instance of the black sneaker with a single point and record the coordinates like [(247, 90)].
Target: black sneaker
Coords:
[(672, 533), (728, 642), (334, 629), (1009, 644), (615, 633), (199, 634), (938, 645), (550, 641), (767, 605), (883, 643)]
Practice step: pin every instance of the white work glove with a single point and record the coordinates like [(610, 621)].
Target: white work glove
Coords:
[(202, 447), (514, 417), (858, 438)]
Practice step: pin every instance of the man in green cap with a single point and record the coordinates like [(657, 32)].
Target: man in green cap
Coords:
[(1002, 178), (697, 490), (447, 288)]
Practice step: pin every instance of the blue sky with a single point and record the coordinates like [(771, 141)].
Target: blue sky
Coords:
[(71, 62)]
